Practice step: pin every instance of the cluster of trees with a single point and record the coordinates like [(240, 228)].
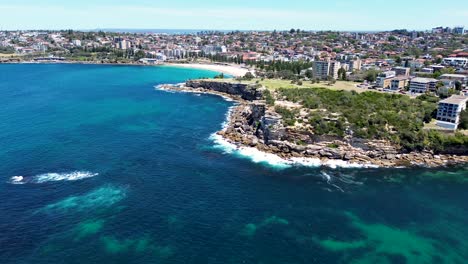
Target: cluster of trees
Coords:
[(371, 115), (7, 50), (247, 77), (277, 66), (463, 120)]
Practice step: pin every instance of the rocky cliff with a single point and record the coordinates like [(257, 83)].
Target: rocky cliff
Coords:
[(252, 123), (248, 92)]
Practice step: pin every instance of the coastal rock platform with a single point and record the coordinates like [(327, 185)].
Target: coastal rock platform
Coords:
[(253, 124)]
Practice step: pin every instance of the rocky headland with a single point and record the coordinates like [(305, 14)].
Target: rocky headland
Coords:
[(254, 124)]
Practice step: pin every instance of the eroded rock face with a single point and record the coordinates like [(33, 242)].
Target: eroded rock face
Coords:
[(273, 128), (245, 91), (253, 124)]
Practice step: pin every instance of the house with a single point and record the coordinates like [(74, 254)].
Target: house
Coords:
[(422, 85), (448, 114)]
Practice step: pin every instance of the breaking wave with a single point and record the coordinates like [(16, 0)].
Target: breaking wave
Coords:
[(70, 176), (53, 177), (17, 180), (276, 161)]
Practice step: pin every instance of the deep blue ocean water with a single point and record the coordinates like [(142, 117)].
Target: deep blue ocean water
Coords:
[(115, 171)]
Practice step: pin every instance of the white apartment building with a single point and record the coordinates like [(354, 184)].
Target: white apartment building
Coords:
[(422, 85), (456, 62), (448, 114), (77, 42)]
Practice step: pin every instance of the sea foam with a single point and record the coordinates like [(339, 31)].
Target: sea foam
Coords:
[(69, 176), (276, 161), (17, 180)]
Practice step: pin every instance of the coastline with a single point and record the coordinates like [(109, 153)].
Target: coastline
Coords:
[(230, 140), (235, 137), (229, 69), (234, 70)]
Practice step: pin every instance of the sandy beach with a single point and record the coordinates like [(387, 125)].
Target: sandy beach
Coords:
[(233, 70)]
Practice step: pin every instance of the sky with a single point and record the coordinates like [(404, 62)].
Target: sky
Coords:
[(355, 15)]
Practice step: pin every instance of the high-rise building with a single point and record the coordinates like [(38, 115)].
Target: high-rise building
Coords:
[(325, 69), (460, 30)]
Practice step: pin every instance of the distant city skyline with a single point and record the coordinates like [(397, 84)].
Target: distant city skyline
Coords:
[(368, 15)]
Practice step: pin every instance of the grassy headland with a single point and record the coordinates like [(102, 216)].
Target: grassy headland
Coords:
[(343, 110)]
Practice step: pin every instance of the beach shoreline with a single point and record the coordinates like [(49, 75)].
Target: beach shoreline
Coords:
[(229, 69), (234, 70)]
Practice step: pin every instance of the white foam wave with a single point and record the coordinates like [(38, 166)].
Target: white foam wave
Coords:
[(70, 176), (225, 124), (327, 176), (276, 161), (17, 180)]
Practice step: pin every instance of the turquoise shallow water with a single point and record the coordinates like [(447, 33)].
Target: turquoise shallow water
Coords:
[(115, 171)]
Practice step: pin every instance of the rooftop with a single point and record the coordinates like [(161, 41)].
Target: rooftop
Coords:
[(455, 99), (453, 75), (423, 80)]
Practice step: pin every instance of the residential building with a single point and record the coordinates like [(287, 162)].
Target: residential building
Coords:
[(355, 65), (124, 45), (422, 85), (463, 79), (401, 71), (385, 78), (458, 30), (427, 70), (325, 69), (398, 83), (456, 62), (77, 42), (448, 114)]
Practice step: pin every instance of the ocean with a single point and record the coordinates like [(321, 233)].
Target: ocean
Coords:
[(98, 166)]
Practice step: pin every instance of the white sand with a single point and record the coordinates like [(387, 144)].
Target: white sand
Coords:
[(233, 70)]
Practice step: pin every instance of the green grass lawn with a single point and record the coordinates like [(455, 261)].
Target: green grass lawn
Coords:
[(275, 84)]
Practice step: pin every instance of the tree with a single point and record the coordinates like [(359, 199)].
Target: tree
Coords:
[(342, 74), (371, 75), (463, 120), (139, 55), (458, 86), (309, 74), (292, 31), (249, 76)]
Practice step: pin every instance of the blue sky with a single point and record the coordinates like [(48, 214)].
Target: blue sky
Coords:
[(233, 14)]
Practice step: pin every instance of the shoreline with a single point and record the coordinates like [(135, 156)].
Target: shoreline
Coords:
[(232, 142), (233, 70)]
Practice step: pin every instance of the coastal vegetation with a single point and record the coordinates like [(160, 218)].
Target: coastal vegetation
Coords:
[(370, 115)]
